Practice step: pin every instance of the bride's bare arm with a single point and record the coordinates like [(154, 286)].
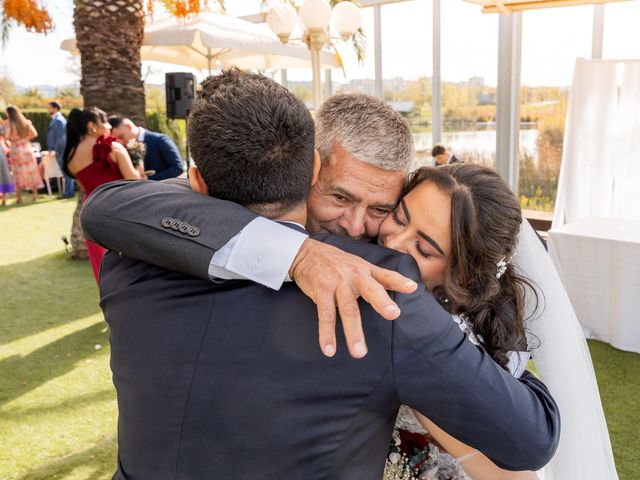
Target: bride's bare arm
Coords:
[(123, 160), (476, 465)]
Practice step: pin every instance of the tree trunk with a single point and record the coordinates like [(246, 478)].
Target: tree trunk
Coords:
[(78, 246), (109, 35)]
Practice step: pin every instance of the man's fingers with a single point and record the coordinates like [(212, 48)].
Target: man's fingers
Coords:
[(351, 322), (375, 294), (391, 280), (327, 323)]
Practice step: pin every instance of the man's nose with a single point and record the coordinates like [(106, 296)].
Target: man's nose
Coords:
[(353, 222)]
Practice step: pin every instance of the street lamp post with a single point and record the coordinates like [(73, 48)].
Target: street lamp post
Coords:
[(315, 16)]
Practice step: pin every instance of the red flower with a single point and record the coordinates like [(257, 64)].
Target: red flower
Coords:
[(102, 151)]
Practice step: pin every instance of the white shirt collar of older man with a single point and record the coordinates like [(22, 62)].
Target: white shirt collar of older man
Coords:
[(141, 134)]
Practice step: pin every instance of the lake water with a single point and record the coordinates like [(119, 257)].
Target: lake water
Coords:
[(480, 141)]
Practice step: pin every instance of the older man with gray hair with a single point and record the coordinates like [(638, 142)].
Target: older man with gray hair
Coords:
[(366, 150)]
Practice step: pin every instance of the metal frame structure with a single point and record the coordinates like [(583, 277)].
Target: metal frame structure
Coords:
[(509, 66), (508, 97)]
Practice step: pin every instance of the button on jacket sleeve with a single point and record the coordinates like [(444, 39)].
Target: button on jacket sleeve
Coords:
[(127, 217), (513, 421)]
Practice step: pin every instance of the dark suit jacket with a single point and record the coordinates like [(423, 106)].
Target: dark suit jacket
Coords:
[(227, 380), (162, 156)]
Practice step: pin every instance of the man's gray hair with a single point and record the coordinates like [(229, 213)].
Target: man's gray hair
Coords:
[(367, 128)]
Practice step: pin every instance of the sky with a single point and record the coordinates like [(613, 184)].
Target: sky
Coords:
[(552, 40)]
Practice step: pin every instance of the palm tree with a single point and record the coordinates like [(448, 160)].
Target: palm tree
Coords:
[(109, 36)]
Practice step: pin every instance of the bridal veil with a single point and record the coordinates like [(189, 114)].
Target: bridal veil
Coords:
[(563, 361)]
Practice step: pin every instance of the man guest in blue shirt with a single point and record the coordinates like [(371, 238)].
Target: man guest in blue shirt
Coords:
[(161, 154), (56, 141)]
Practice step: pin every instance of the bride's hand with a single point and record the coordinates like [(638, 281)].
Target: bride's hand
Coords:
[(330, 276)]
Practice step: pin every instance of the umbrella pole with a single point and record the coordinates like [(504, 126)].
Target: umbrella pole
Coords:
[(209, 60), (315, 45)]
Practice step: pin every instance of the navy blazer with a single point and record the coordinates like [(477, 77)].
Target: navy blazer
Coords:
[(227, 381), (161, 155)]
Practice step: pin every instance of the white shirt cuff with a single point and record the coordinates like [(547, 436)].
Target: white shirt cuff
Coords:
[(262, 252)]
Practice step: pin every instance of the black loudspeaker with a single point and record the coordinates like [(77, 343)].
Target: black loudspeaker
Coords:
[(180, 89)]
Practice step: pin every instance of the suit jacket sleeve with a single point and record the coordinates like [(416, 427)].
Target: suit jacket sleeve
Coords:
[(440, 373), (126, 216), (170, 159)]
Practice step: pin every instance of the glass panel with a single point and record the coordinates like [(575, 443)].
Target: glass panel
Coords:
[(621, 32), (469, 69), (549, 51)]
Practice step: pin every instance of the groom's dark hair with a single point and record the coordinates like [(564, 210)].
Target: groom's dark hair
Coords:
[(252, 141)]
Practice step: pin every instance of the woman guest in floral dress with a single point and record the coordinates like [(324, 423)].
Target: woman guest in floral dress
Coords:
[(23, 162), (6, 182)]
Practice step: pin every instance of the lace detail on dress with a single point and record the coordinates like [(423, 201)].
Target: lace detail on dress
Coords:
[(406, 420), (464, 325), (517, 360)]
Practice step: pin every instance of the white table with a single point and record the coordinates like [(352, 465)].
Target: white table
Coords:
[(599, 262)]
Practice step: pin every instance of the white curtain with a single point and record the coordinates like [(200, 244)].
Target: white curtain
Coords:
[(626, 151), (601, 154)]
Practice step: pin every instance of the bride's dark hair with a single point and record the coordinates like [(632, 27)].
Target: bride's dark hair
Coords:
[(485, 221)]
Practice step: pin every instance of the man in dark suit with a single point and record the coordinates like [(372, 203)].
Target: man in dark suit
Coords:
[(161, 155), (224, 380), (56, 141)]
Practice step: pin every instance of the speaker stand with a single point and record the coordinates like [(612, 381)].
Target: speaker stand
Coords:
[(186, 141)]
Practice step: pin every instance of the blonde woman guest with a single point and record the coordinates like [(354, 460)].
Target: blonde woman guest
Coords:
[(23, 162)]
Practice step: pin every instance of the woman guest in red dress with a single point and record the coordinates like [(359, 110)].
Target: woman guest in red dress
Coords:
[(93, 158)]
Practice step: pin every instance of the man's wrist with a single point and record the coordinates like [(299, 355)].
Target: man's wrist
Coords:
[(302, 253)]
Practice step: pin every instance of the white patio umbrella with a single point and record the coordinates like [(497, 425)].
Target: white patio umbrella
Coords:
[(213, 40)]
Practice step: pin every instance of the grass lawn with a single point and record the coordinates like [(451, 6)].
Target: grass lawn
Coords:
[(57, 403)]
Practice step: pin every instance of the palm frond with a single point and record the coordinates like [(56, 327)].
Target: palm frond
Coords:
[(5, 29), (359, 41)]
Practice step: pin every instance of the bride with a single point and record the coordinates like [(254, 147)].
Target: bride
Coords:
[(464, 227)]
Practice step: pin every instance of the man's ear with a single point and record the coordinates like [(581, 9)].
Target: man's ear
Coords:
[(197, 182), (316, 166)]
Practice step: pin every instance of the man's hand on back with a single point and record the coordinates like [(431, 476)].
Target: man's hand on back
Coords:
[(331, 277)]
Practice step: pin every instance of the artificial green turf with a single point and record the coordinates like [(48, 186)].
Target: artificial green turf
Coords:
[(57, 403), (618, 375)]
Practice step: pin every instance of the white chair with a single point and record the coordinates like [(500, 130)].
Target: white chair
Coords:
[(50, 169)]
